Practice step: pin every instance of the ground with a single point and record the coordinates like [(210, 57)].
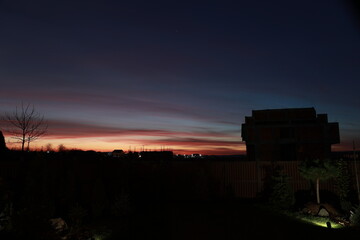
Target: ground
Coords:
[(221, 220)]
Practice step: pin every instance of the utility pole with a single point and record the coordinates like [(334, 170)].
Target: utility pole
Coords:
[(356, 172)]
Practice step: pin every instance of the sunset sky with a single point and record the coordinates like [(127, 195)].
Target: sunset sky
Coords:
[(178, 75)]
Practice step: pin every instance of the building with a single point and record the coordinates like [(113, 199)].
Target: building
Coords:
[(292, 134), (118, 153)]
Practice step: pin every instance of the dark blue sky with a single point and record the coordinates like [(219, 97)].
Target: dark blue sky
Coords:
[(177, 74)]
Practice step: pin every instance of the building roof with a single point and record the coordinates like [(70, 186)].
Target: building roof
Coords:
[(284, 114), (118, 151)]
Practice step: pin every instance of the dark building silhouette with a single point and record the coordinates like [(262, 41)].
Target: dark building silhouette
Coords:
[(118, 153), (291, 134)]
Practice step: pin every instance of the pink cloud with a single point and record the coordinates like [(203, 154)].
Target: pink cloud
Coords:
[(67, 129)]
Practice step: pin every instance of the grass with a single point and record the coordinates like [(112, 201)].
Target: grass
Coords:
[(318, 221), (306, 218)]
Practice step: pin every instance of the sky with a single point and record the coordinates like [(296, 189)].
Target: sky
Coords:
[(176, 75)]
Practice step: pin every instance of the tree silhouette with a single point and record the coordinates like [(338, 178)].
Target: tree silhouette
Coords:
[(26, 125), (317, 170), (343, 184), (2, 142)]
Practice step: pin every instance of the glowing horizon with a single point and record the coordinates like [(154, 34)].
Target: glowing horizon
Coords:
[(87, 144), (106, 139)]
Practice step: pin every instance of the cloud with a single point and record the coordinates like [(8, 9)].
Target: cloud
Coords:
[(69, 129), (123, 101)]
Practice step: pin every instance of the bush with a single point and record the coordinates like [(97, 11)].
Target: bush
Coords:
[(77, 213), (121, 205), (355, 217), (282, 195), (277, 190)]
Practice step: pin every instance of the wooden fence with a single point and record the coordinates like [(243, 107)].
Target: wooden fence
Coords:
[(243, 179)]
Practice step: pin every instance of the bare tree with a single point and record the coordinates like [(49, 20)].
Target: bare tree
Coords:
[(61, 148), (26, 125), (49, 147)]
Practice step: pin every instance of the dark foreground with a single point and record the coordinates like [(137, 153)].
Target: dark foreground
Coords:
[(226, 220), (87, 190), (209, 220)]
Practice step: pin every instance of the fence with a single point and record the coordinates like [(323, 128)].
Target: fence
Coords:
[(243, 179)]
